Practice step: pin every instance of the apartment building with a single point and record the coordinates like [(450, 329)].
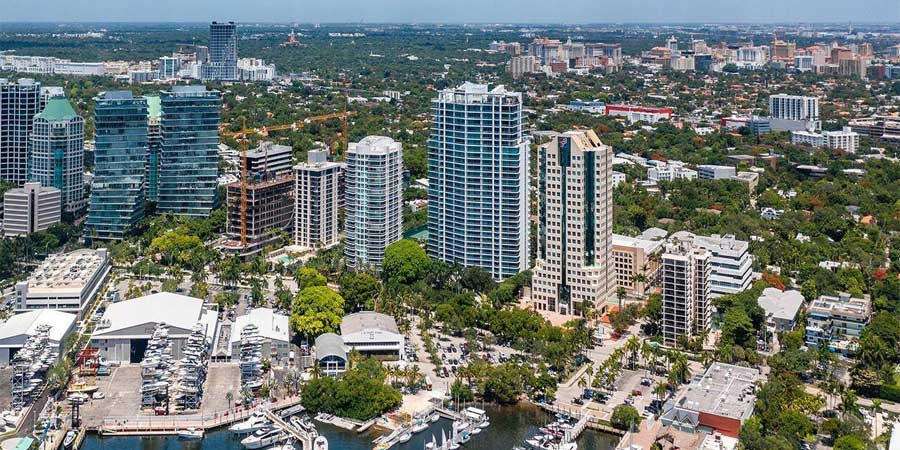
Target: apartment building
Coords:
[(685, 277)]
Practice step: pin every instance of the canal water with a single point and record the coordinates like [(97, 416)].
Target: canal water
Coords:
[(510, 426)]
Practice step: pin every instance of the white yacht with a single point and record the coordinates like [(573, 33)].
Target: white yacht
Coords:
[(263, 438), (255, 422)]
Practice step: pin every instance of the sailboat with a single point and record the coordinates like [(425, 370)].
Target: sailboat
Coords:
[(454, 439)]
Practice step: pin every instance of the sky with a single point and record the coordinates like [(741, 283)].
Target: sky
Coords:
[(451, 11)]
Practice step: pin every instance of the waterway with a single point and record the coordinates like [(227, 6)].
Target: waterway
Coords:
[(510, 426)]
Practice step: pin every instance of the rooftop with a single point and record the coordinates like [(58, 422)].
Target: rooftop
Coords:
[(368, 320), (374, 145), (724, 390), (165, 307), (67, 273), (842, 304), (26, 324), (782, 305), (57, 109), (330, 344), (270, 325), (646, 245)]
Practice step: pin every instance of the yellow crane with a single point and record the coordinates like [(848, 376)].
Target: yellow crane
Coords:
[(242, 136)]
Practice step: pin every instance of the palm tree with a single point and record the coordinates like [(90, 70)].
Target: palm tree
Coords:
[(633, 346), (876, 408), (229, 397), (660, 390), (582, 382)]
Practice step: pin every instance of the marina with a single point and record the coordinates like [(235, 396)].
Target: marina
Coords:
[(509, 426)]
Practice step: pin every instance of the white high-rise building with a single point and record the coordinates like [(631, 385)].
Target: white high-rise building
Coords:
[(575, 234), (374, 200), (478, 180), (29, 209), (731, 263), (845, 139), (686, 306), (316, 207), (793, 107)]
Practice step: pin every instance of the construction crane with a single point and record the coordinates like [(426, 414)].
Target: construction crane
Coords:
[(243, 137)]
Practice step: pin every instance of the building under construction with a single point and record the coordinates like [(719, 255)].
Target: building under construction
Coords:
[(270, 209), (270, 200)]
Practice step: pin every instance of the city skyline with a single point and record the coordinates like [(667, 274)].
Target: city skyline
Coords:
[(464, 11)]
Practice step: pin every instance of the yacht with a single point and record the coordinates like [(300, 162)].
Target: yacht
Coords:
[(263, 438), (255, 422), (190, 433)]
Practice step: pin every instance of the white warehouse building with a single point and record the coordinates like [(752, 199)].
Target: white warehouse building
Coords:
[(18, 328), (373, 334), (273, 328), (125, 328)]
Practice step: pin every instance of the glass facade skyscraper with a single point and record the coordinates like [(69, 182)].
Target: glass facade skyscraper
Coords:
[(56, 155), (478, 180), (19, 102), (373, 183), (222, 63), (154, 142), (188, 159), (117, 192)]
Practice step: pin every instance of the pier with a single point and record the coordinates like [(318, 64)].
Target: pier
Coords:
[(589, 420), (302, 436), (171, 425)]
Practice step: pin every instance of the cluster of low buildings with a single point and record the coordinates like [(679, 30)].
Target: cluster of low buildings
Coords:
[(553, 57), (217, 61), (831, 58)]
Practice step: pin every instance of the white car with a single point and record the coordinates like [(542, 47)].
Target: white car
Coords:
[(98, 395)]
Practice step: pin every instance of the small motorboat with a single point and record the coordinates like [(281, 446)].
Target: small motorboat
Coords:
[(190, 433), (98, 395), (404, 437), (435, 418), (83, 387), (419, 426), (69, 439), (320, 443)]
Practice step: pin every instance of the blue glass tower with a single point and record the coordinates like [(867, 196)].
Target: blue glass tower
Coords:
[(478, 180), (117, 193), (188, 159)]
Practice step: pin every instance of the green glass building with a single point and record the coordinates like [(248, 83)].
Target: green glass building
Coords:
[(117, 192), (188, 158), (56, 152)]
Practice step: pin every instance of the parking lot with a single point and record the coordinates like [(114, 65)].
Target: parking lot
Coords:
[(123, 393), (452, 352)]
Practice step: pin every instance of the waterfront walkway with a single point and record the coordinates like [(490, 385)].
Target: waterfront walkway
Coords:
[(169, 425)]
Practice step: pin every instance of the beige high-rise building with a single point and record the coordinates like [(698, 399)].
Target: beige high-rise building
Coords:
[(574, 262), (316, 204), (686, 305)]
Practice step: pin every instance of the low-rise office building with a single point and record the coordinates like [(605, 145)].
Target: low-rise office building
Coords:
[(731, 263), (636, 261), (66, 281), (16, 330), (845, 139), (719, 401), (30, 209), (373, 334), (124, 331)]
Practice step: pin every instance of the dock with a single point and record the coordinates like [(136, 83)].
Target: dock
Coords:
[(302, 436), (171, 425), (588, 420)]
